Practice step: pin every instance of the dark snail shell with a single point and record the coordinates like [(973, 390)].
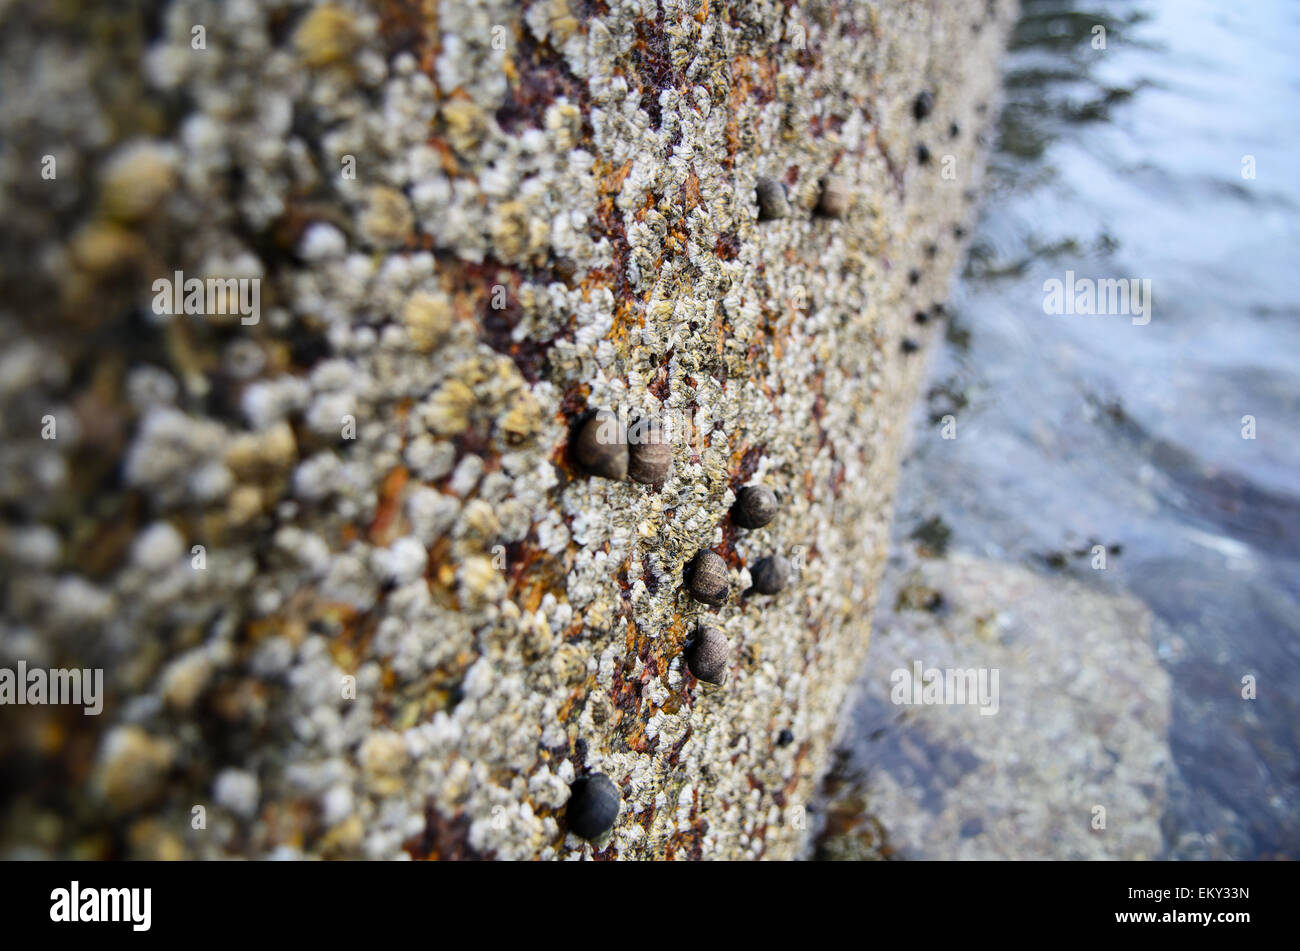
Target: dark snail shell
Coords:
[(770, 574), (709, 581), (593, 806), (755, 506), (922, 105), (601, 446), (772, 201), (835, 198), (709, 655), (650, 453)]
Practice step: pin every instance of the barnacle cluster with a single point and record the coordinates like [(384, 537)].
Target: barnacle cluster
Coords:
[(349, 593)]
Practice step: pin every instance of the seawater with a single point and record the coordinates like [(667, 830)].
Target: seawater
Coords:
[(1171, 156)]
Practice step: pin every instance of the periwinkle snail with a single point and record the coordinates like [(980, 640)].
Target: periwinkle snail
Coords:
[(835, 198), (601, 446), (709, 581), (593, 806), (922, 105), (708, 654), (650, 452), (769, 575), (755, 506), (772, 201)]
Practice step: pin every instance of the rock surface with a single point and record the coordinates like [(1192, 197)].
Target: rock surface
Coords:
[(350, 595), (1068, 759)]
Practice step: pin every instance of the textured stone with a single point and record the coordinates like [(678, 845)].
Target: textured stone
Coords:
[(466, 239)]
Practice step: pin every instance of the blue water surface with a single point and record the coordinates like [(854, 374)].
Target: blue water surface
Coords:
[(1136, 161)]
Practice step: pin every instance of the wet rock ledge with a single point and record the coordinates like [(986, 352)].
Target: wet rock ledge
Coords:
[(352, 593)]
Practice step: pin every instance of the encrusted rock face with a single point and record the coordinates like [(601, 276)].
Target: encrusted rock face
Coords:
[(320, 529)]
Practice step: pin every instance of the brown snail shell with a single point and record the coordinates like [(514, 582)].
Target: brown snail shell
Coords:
[(709, 580), (601, 446), (836, 198), (755, 506), (769, 575), (650, 453), (708, 655), (772, 201)]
